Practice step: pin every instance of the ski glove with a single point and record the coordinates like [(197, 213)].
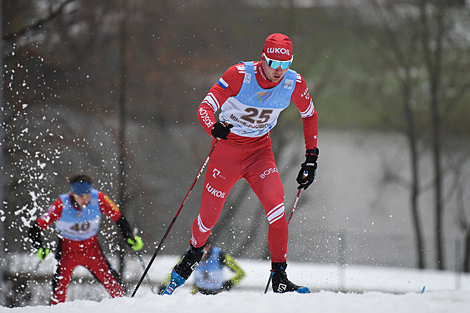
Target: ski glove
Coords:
[(43, 253), (228, 284), (135, 243), (221, 130), (35, 236), (308, 169)]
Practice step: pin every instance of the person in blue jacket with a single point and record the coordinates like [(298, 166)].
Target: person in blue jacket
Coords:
[(209, 278)]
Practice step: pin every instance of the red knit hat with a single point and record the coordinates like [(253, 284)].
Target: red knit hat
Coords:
[(278, 47)]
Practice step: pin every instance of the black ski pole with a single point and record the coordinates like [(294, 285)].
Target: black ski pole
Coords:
[(139, 255), (37, 266), (174, 219), (290, 216), (141, 260)]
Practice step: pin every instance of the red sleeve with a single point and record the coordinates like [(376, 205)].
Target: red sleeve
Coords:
[(304, 103), (108, 207), (53, 214), (228, 85)]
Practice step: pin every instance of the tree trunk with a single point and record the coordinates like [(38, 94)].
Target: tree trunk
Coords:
[(466, 259), (432, 49), (122, 126), (413, 146)]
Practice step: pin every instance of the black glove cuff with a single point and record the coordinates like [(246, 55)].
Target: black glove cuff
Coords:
[(311, 156), (315, 151), (35, 235), (125, 228)]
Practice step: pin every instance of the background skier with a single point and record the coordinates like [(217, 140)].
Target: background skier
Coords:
[(209, 278), (77, 215)]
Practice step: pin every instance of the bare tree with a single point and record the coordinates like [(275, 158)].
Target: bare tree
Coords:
[(418, 43), (432, 51), (396, 47), (53, 11), (123, 40), (457, 190)]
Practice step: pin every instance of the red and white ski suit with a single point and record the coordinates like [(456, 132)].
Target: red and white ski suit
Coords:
[(85, 252), (248, 157)]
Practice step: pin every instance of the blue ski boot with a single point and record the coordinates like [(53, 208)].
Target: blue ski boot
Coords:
[(175, 281), (184, 268), (281, 283)]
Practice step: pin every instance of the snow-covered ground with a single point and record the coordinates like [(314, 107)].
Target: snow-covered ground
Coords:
[(364, 289), (324, 302)]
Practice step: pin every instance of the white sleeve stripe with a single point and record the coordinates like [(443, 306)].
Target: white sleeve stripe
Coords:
[(309, 112), (241, 68), (209, 104), (211, 100)]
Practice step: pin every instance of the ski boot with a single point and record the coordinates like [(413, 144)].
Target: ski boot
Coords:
[(281, 283), (184, 268)]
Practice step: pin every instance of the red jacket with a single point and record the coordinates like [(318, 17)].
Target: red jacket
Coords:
[(233, 78)]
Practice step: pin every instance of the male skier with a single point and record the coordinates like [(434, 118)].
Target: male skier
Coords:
[(250, 96)]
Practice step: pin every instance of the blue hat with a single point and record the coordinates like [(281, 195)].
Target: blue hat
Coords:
[(81, 188)]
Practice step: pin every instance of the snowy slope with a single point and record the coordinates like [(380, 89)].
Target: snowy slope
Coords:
[(324, 302), (377, 289)]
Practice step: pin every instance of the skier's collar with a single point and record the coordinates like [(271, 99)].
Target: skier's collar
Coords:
[(261, 72), (74, 202)]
